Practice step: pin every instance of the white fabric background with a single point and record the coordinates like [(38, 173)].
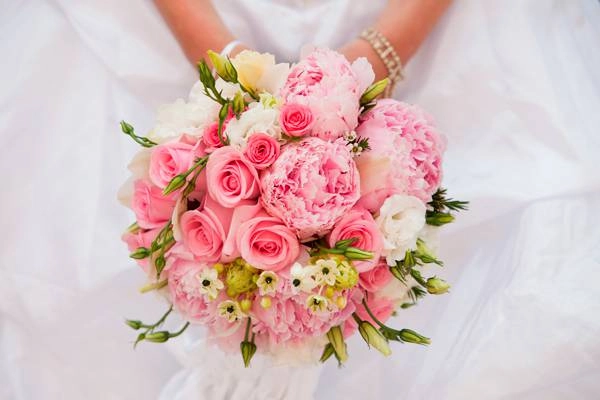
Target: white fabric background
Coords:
[(514, 84)]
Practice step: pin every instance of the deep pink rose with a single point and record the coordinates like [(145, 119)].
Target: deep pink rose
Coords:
[(210, 138), (266, 243), (141, 238), (376, 278), (152, 209), (405, 155), (296, 120), (359, 224), (184, 292), (262, 150), (231, 178), (311, 185), (204, 230), (170, 159)]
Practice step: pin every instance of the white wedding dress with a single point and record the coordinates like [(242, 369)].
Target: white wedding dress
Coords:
[(514, 84)]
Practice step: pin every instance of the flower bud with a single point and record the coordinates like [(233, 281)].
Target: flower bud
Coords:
[(373, 91), (239, 279), (223, 66), (327, 352), (425, 254), (341, 302), (135, 324), (265, 302), (157, 337), (245, 305), (437, 286), (176, 183), (140, 253), (336, 338), (411, 336), (344, 243), (357, 254), (126, 128), (238, 105), (439, 219), (248, 349), (374, 338)]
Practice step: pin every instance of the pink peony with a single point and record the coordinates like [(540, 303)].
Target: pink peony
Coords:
[(311, 186), (359, 224), (266, 243), (204, 231), (152, 209), (231, 178), (170, 159), (405, 156), (376, 278), (262, 150), (331, 87), (296, 120), (184, 291)]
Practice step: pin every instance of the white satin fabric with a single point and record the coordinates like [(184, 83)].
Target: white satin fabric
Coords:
[(514, 84)]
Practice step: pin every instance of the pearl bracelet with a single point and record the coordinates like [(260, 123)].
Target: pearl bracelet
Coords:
[(388, 56)]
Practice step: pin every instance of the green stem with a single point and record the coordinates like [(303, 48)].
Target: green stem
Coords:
[(179, 332), (356, 318), (153, 286), (372, 316), (247, 329)]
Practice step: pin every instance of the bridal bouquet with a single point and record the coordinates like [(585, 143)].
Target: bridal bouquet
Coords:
[(284, 208)]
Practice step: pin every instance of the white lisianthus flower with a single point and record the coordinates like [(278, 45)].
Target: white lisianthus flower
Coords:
[(258, 71), (400, 220), (181, 117), (256, 119)]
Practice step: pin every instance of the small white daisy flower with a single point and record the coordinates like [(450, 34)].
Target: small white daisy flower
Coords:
[(356, 149), (210, 284), (317, 303), (350, 136), (267, 282), (230, 310), (325, 272)]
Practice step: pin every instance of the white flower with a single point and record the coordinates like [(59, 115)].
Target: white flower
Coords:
[(317, 303), (210, 284), (230, 310), (258, 71), (325, 272), (267, 282), (175, 119), (302, 280), (256, 119), (400, 220), (350, 136), (354, 148)]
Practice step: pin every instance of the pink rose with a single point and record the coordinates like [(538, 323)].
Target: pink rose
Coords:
[(311, 186), (141, 238), (296, 120), (376, 278), (266, 243), (204, 230), (331, 87), (210, 138), (230, 177), (262, 150), (405, 155), (170, 159), (184, 292), (359, 224), (152, 209)]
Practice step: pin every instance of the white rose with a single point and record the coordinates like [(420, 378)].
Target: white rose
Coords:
[(174, 119), (256, 119), (400, 220)]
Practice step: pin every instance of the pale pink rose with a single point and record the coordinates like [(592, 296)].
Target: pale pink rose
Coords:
[(359, 224), (405, 155), (262, 150), (311, 186), (331, 87), (296, 120), (152, 209), (204, 231), (231, 178), (141, 238), (376, 278), (210, 138), (170, 159), (266, 243), (184, 292)]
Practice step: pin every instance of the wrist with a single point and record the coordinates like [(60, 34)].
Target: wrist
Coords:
[(360, 48)]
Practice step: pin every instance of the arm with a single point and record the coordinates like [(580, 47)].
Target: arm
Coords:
[(190, 20), (406, 24)]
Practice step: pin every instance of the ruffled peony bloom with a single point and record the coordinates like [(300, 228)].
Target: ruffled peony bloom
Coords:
[(400, 220), (185, 290), (405, 155), (331, 87), (359, 224), (310, 186), (151, 207)]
